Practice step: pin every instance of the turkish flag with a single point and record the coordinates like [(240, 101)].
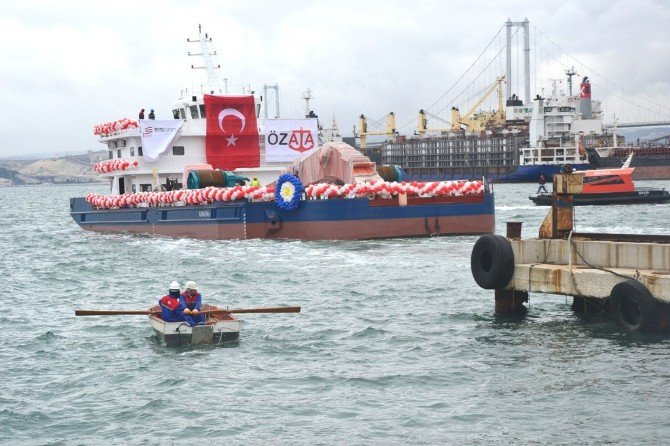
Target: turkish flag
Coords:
[(232, 132)]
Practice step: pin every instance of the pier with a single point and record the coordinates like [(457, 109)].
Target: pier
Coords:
[(624, 275)]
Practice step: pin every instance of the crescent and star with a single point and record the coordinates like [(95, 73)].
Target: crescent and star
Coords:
[(231, 112)]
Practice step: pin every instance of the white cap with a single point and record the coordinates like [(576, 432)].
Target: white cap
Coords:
[(190, 285), (174, 285)]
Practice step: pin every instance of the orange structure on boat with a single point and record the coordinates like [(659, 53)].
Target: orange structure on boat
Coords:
[(609, 186), (607, 181)]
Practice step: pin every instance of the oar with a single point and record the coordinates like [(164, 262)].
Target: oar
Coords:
[(219, 311)]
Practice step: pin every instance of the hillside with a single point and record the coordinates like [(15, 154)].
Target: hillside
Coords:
[(69, 169)]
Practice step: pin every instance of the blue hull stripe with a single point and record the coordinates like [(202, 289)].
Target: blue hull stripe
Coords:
[(263, 212)]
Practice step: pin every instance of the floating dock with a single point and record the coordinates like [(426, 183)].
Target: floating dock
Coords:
[(624, 275)]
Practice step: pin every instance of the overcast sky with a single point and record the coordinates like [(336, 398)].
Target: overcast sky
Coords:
[(67, 66)]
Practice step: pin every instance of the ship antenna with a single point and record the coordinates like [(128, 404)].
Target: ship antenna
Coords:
[(307, 95), (570, 72), (206, 54)]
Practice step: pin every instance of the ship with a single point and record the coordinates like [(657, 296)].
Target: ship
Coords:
[(517, 143), (651, 161), (607, 187), (205, 174)]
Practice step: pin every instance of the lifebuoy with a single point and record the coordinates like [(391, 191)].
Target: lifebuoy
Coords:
[(633, 307), (492, 262)]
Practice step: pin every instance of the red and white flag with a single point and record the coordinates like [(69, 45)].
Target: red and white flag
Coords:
[(232, 132)]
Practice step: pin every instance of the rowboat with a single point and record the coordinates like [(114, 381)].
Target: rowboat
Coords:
[(219, 328)]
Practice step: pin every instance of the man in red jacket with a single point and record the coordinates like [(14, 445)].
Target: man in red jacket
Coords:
[(171, 308), (191, 301)]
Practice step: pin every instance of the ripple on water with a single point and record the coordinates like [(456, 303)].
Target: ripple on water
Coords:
[(395, 344)]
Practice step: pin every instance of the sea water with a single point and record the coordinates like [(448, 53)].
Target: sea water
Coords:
[(395, 344)]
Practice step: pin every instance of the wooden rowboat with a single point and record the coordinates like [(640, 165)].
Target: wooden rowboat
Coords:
[(219, 328)]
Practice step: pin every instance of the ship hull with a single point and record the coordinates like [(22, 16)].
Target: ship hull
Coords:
[(646, 168), (519, 174), (650, 196), (335, 219)]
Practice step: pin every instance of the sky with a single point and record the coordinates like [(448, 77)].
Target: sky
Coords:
[(67, 66)]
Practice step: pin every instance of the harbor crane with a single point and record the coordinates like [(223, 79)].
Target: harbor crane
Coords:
[(363, 132), (473, 122)]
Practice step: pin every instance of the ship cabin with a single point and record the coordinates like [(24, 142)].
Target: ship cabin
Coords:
[(608, 181), (169, 171)]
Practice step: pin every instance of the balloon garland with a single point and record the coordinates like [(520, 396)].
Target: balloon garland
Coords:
[(288, 192), (290, 197), (383, 188), (114, 126), (183, 196), (114, 165)]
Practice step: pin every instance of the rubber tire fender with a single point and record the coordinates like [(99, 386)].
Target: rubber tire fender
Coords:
[(633, 307), (492, 262)]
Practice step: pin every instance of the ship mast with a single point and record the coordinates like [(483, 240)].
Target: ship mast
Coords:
[(570, 72), (212, 76), (307, 95)]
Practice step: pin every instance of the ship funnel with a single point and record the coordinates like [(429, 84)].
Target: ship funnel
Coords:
[(585, 99)]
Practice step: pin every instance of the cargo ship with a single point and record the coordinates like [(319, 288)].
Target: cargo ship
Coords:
[(517, 144), (650, 162), (205, 174)]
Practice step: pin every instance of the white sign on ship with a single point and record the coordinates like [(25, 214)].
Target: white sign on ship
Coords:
[(158, 135), (288, 139)]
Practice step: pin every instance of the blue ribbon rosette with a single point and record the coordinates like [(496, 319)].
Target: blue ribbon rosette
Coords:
[(288, 192)]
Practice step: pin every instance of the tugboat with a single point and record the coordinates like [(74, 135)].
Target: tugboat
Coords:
[(613, 186)]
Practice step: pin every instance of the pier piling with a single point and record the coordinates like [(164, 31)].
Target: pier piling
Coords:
[(626, 276)]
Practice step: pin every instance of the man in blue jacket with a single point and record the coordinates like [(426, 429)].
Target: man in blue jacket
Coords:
[(191, 301)]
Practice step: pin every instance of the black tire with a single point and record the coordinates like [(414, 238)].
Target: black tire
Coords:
[(633, 307), (492, 262)]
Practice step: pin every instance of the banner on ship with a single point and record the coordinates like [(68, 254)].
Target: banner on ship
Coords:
[(157, 136), (288, 139), (232, 132)]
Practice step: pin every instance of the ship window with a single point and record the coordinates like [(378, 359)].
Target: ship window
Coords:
[(118, 153), (111, 154), (139, 151), (194, 111), (202, 111), (177, 150), (182, 113), (132, 151), (565, 109), (145, 187), (122, 143), (548, 109), (112, 144)]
